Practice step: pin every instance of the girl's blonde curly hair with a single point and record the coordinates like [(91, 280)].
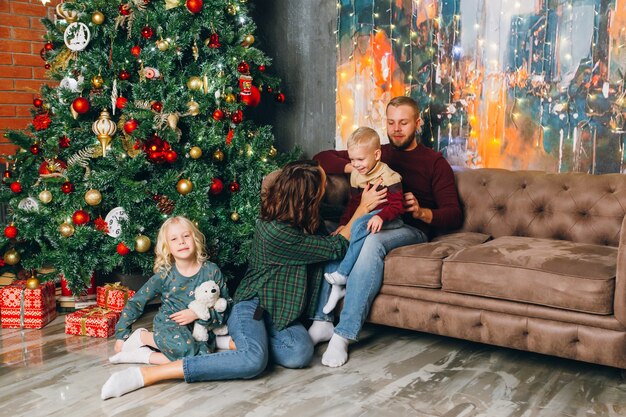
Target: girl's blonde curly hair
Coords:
[(164, 259)]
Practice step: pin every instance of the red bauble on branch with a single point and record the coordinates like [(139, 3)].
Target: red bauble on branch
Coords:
[(49, 46), (37, 102), (236, 117), (130, 126), (194, 6), (243, 67), (233, 187), (217, 186), (125, 9), (262, 68), (35, 149), (147, 32), (10, 231), (16, 187), (124, 75), (171, 156), (157, 106), (80, 105), (80, 217), (122, 249), (280, 97), (218, 115), (135, 50), (67, 187), (121, 102)]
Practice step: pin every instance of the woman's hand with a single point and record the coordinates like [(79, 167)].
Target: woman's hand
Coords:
[(118, 345), (337, 230), (184, 317), (372, 197)]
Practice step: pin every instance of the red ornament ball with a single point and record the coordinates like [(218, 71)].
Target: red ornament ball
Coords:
[(253, 99), (217, 186), (47, 66), (67, 187), (80, 217), (16, 187), (236, 117), (124, 75), (64, 142), (135, 50), (233, 187), (243, 67), (147, 32), (218, 115), (80, 105), (7, 174), (35, 149), (10, 231), (280, 97), (121, 102), (270, 89), (194, 6), (130, 126), (38, 102), (122, 249), (262, 68), (49, 46), (157, 106), (171, 156), (124, 9)]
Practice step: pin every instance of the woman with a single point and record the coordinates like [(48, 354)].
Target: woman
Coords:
[(276, 290)]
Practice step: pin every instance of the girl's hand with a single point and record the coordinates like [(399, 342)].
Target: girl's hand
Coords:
[(375, 224), (370, 199), (118, 345), (184, 317)]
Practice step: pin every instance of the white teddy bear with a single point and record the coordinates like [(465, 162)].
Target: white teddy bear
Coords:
[(207, 297)]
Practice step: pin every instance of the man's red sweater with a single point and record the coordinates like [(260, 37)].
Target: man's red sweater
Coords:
[(424, 172)]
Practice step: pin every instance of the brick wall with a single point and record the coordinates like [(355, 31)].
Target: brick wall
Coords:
[(22, 70)]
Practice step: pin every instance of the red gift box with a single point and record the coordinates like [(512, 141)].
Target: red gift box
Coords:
[(113, 296), (21, 307), (92, 321)]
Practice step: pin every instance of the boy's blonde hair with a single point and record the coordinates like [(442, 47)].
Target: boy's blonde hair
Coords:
[(364, 136), (164, 259)]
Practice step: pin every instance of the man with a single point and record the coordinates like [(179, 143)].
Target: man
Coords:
[(431, 203)]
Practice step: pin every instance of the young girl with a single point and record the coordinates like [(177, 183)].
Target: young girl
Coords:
[(180, 266), (275, 292)]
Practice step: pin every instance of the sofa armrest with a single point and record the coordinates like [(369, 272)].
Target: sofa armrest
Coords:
[(619, 304)]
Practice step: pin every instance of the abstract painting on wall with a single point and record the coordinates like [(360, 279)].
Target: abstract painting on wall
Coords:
[(501, 83)]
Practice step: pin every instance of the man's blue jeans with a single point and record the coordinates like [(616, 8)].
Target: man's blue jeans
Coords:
[(358, 233), (365, 280), (257, 341)]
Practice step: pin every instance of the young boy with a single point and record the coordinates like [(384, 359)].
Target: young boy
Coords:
[(364, 152)]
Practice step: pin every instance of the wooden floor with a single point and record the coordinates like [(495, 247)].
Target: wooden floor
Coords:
[(391, 372)]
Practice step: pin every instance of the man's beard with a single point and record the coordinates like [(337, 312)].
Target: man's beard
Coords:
[(403, 145)]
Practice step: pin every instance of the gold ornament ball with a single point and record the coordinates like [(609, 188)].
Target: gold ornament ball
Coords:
[(195, 152), (93, 197), (234, 216), (142, 243), (97, 18), (231, 9), (218, 156), (194, 83), (11, 257), (32, 283), (66, 229), (163, 46), (194, 108), (184, 186), (273, 152), (230, 98), (248, 40), (45, 196), (97, 81)]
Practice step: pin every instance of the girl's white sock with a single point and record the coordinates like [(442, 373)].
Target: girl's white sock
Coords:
[(134, 341), (337, 352), (321, 331), (337, 292), (141, 355)]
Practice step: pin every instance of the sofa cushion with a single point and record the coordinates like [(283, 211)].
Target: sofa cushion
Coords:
[(420, 265), (555, 273)]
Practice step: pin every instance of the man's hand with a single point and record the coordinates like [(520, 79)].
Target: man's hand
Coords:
[(375, 224), (118, 345), (370, 199), (184, 317), (411, 205)]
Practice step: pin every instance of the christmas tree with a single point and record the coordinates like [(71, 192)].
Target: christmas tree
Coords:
[(150, 119)]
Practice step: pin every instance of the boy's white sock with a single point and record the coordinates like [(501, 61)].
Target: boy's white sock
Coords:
[(122, 382), (337, 352), (336, 293), (141, 355), (134, 341), (321, 331), (223, 342), (335, 278)]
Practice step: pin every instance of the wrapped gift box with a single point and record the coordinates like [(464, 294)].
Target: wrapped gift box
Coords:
[(113, 296), (23, 307), (92, 321)]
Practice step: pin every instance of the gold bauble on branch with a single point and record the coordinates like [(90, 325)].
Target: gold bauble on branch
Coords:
[(234, 216), (218, 155), (104, 128), (248, 40), (194, 83), (97, 18), (194, 107), (230, 98), (142, 243), (231, 9), (32, 283), (172, 121), (97, 81), (11, 257), (195, 152), (273, 152), (93, 197), (66, 229), (45, 196), (163, 45), (184, 186)]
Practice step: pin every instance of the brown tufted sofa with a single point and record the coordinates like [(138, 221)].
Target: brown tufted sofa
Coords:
[(539, 265)]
